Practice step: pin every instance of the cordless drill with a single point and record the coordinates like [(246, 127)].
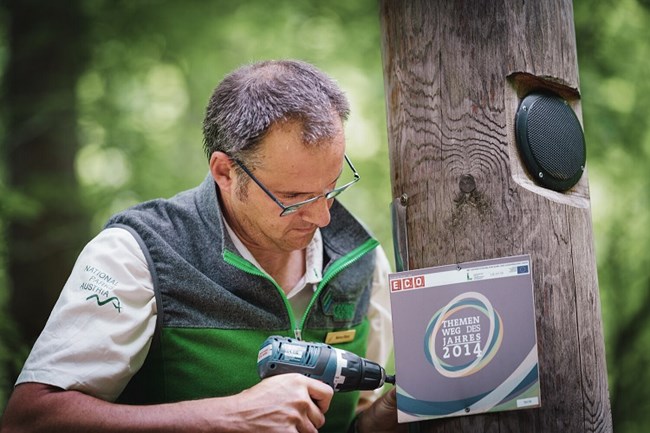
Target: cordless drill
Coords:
[(340, 369)]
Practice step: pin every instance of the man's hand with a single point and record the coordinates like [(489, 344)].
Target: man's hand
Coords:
[(381, 417), (284, 403)]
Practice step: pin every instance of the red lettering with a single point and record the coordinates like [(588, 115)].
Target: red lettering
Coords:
[(407, 283)]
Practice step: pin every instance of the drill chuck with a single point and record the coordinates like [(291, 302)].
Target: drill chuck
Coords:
[(342, 370)]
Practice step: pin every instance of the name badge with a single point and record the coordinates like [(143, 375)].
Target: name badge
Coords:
[(340, 336)]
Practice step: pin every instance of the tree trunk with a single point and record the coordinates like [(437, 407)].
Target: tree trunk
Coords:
[(455, 72), (47, 54)]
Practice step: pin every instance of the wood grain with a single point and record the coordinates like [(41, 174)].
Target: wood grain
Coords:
[(454, 73)]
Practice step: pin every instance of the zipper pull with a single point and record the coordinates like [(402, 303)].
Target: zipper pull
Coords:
[(297, 333)]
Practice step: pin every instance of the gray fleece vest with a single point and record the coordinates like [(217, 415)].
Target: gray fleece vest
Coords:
[(215, 308)]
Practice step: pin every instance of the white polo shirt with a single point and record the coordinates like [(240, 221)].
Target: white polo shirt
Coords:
[(86, 347)]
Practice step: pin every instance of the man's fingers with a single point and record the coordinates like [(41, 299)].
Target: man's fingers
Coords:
[(321, 394), (290, 401), (316, 419), (390, 399)]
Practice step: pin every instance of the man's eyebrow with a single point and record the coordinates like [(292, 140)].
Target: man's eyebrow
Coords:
[(290, 192)]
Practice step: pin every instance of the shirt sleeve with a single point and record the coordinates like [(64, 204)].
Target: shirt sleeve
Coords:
[(380, 339), (100, 330)]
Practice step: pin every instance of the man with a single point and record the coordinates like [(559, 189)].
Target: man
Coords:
[(159, 325)]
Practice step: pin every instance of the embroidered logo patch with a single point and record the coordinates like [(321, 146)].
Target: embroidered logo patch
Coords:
[(344, 311), (101, 284), (115, 302), (340, 311)]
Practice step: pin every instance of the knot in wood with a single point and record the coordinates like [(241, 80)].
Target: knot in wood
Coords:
[(467, 183)]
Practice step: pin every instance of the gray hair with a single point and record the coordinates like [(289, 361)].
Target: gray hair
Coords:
[(254, 97)]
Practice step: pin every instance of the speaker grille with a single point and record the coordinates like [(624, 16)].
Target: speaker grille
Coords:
[(551, 141)]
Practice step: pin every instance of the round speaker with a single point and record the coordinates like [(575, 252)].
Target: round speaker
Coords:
[(550, 140)]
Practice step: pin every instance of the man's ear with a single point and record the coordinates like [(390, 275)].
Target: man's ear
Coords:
[(222, 170)]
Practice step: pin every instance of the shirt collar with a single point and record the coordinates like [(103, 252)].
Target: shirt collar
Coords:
[(313, 259)]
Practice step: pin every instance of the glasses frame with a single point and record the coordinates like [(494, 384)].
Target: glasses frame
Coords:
[(287, 210)]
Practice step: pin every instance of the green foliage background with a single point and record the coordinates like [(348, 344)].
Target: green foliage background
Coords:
[(154, 63)]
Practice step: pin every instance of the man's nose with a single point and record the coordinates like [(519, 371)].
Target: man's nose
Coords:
[(318, 212)]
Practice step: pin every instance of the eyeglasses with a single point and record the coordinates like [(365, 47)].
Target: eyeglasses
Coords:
[(286, 210)]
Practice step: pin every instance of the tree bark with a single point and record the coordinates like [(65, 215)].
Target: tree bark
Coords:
[(454, 73)]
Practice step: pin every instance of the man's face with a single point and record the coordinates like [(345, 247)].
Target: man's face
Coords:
[(293, 173)]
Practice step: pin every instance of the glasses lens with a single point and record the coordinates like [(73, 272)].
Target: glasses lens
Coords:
[(347, 179), (290, 209)]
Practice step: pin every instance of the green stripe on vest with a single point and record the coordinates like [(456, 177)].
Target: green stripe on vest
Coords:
[(228, 359)]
